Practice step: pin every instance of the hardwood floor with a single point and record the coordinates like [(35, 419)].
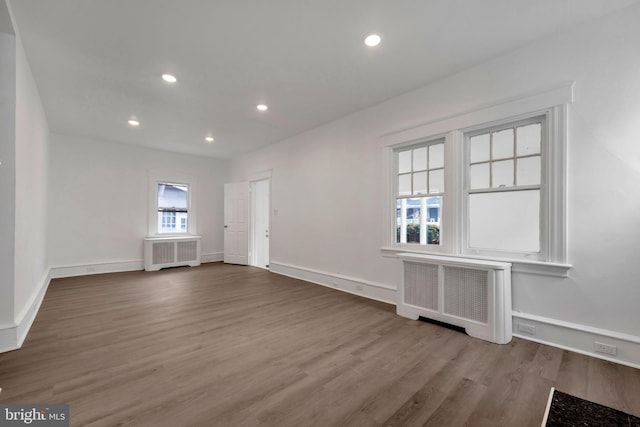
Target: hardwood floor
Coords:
[(239, 346)]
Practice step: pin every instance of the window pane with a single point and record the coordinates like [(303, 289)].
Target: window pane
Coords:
[(505, 221), (503, 144), (436, 181), (420, 159), (434, 212), (404, 185), (436, 156), (173, 205), (167, 221), (528, 171), (173, 196), (420, 183), (529, 139), (479, 176), (502, 174), (479, 148), (418, 220), (404, 161), (408, 220)]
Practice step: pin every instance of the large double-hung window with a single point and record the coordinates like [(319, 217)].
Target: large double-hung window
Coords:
[(419, 191), (487, 184), (504, 187)]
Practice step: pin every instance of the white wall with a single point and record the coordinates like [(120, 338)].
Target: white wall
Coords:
[(24, 151), (99, 200), (327, 182), (32, 164), (7, 173)]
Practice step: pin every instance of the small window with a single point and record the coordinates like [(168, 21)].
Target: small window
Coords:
[(173, 207), (419, 189)]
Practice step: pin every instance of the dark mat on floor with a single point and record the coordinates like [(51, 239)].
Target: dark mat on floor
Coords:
[(565, 410)]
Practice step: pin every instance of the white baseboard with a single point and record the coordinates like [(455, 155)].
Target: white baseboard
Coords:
[(114, 267), (98, 268), (12, 336), (577, 338), (569, 336), (556, 333), (376, 291), (212, 257)]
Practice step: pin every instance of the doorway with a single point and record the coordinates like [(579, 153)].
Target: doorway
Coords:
[(259, 223)]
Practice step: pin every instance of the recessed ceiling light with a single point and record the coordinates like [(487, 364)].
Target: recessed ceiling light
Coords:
[(133, 122), (372, 40), (209, 139), (169, 78), (262, 107)]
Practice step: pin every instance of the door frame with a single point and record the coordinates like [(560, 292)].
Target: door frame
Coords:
[(261, 176), (257, 215)]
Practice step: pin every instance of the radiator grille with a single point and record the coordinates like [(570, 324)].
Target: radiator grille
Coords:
[(421, 285), (162, 252), (187, 251), (466, 293)]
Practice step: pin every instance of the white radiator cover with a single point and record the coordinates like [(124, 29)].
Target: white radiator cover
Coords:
[(469, 293), (161, 252)]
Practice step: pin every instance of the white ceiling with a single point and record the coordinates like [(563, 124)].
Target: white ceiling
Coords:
[(98, 62)]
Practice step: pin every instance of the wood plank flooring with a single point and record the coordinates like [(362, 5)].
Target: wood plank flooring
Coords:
[(239, 346)]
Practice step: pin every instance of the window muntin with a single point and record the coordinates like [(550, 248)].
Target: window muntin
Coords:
[(419, 190), (172, 207), (554, 105), (506, 158), (504, 192)]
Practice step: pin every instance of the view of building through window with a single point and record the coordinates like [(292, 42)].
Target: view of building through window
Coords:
[(173, 208), (419, 190), (415, 227)]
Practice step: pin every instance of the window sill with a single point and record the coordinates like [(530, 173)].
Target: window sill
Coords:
[(173, 237), (539, 268)]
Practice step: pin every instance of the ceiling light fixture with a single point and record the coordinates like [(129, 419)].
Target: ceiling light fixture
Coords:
[(169, 78), (209, 139), (262, 107), (133, 122), (372, 40)]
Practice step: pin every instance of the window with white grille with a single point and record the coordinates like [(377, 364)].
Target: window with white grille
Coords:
[(173, 207), (171, 204), (419, 189), (489, 183), (504, 187)]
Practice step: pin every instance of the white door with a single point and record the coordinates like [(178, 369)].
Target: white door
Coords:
[(260, 223), (236, 224)]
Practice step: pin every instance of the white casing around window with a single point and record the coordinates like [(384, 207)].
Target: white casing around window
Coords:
[(552, 102), (156, 177)]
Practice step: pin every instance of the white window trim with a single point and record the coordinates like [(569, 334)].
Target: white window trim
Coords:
[(543, 254), (554, 103), (445, 204), (156, 177)]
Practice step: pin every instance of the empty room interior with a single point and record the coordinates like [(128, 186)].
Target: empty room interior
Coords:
[(319, 213)]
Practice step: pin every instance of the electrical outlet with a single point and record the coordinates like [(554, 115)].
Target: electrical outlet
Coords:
[(525, 327), (358, 287), (605, 348)]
